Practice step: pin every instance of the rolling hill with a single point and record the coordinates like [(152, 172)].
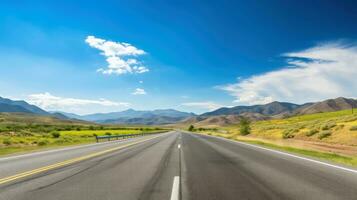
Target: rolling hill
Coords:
[(11, 106), (329, 105), (270, 109), (274, 110), (21, 118), (8, 105), (131, 116)]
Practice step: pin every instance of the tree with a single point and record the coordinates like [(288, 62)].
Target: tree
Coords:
[(244, 126), (191, 128)]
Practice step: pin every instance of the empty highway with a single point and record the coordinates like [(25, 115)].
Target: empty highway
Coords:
[(173, 165)]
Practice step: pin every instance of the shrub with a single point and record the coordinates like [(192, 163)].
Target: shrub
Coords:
[(312, 132), (42, 142), (244, 126), (289, 133), (7, 141), (328, 126), (108, 133), (324, 128), (191, 128), (339, 127), (55, 134), (324, 134), (353, 128)]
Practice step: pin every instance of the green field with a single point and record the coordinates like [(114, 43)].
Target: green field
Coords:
[(23, 132)]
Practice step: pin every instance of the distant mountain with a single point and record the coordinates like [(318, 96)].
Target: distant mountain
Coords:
[(19, 106), (228, 116), (68, 115), (222, 120), (329, 105), (11, 106), (154, 120), (273, 108), (131, 116)]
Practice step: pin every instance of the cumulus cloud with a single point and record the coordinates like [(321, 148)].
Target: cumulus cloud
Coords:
[(325, 71), (139, 91), (120, 56), (50, 102), (207, 105)]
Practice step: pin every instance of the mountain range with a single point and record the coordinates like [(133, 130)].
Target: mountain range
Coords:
[(131, 116), (227, 116), (20, 106), (8, 105), (221, 116)]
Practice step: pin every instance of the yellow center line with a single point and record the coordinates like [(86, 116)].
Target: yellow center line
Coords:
[(67, 162)]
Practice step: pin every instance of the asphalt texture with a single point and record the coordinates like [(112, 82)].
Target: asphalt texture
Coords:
[(145, 167)]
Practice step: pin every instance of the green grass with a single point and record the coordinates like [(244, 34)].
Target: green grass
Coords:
[(88, 133), (20, 132), (20, 149), (17, 144)]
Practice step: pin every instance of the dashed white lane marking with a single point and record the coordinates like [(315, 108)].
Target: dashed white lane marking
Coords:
[(179, 146), (175, 189)]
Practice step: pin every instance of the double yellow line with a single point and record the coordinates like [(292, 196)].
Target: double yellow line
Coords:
[(67, 162)]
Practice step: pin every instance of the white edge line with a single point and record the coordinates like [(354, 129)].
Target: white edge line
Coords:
[(175, 188), (66, 149), (286, 154)]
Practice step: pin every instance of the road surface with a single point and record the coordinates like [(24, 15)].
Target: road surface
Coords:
[(172, 165)]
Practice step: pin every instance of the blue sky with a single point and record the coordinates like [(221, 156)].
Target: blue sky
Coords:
[(187, 55)]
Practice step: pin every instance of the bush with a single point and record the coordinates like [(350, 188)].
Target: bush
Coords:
[(324, 134), (42, 142), (191, 128), (108, 133), (328, 126), (289, 133), (55, 134), (353, 128), (244, 126), (312, 132), (7, 141)]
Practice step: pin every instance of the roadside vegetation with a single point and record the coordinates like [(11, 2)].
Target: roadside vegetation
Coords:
[(20, 133), (331, 133)]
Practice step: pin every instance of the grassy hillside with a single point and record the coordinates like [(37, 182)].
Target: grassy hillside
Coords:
[(24, 132), (331, 135), (333, 127)]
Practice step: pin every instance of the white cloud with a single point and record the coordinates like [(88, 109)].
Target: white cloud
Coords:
[(207, 105), (50, 102), (139, 91), (325, 71), (141, 82), (120, 56)]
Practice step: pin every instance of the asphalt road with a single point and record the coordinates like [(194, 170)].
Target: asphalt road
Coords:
[(172, 165)]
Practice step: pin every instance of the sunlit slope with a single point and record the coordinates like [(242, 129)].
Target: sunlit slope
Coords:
[(333, 127)]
